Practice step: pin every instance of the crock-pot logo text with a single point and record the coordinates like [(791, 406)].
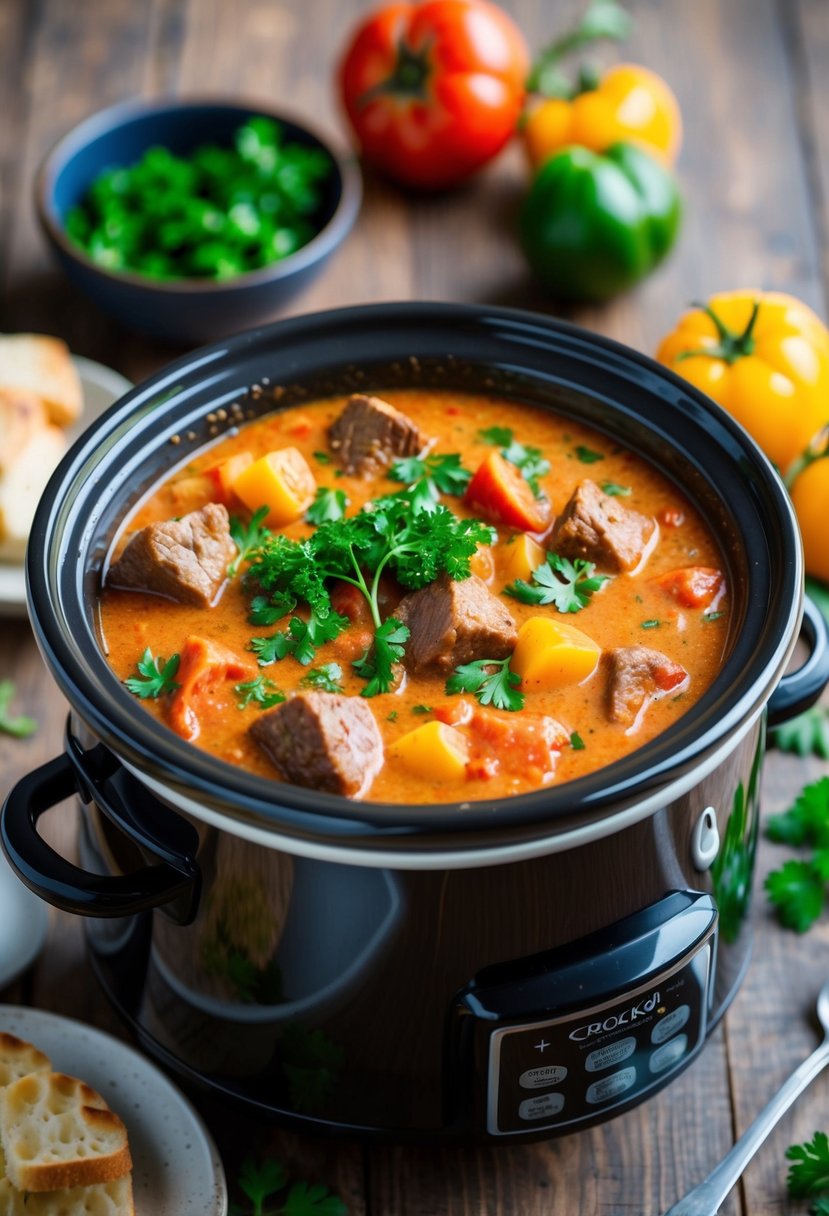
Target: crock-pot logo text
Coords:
[(625, 1018)]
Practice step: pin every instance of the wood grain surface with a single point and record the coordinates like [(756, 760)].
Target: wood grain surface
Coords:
[(753, 83)]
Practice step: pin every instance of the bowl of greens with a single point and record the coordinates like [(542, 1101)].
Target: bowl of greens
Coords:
[(193, 219)]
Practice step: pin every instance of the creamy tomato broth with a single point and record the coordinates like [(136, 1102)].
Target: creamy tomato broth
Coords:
[(569, 723)]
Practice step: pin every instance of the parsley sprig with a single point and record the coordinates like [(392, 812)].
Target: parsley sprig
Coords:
[(491, 681), (388, 534), (263, 1182), (156, 676), (531, 462), (426, 479), (259, 691), (20, 726), (328, 504), (568, 585), (301, 639), (247, 537), (327, 677), (805, 735), (809, 1175), (798, 888)]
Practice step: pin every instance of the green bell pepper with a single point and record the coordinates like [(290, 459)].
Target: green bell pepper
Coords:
[(593, 225)]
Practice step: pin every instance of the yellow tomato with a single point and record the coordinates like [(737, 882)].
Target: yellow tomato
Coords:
[(630, 103), (765, 358), (810, 495)]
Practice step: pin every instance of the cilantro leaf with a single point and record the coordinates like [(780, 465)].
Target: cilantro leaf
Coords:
[(614, 490), (805, 735), (259, 691), (377, 664), (323, 457), (576, 742), (587, 455), (261, 1182), (327, 677), (156, 676), (271, 649), (797, 890), (247, 537), (500, 436), (328, 504), (430, 477), (491, 681), (568, 585), (807, 820), (810, 1172), (19, 726), (306, 636), (265, 610), (305, 1199)]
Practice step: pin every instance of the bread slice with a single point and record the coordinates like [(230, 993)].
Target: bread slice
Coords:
[(21, 486), (102, 1199), (58, 1132), (18, 1059), (22, 415), (43, 366)]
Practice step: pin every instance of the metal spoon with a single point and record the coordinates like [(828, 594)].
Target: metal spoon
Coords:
[(705, 1199)]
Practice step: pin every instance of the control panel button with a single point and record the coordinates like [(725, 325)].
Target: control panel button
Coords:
[(611, 1087), (671, 1024), (540, 1078), (614, 1053), (668, 1053), (541, 1107)]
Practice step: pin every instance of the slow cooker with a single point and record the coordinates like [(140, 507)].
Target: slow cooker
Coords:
[(487, 970)]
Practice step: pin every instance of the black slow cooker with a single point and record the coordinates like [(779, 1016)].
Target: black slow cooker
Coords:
[(490, 970)]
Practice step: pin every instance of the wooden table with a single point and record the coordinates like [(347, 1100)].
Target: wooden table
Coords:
[(752, 79)]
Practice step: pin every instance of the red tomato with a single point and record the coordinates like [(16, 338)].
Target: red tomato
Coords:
[(498, 491), (434, 89)]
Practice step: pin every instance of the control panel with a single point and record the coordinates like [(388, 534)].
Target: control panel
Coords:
[(564, 1038)]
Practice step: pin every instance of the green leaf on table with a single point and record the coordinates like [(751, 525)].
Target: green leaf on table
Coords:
[(261, 1182), (156, 676), (805, 735), (819, 592), (797, 891), (820, 1207), (18, 725), (810, 1171), (806, 822), (307, 1199)]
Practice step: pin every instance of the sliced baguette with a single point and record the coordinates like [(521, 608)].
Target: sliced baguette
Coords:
[(43, 366), (58, 1132), (22, 415), (21, 486), (18, 1059)]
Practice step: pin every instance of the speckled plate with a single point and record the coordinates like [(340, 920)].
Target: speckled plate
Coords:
[(176, 1166), (24, 922)]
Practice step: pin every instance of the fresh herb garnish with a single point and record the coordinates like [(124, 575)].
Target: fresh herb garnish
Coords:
[(259, 691), (587, 455), (653, 623), (327, 677), (568, 585), (576, 742), (421, 709), (328, 504), (712, 616), (156, 678), (19, 726), (392, 717), (377, 664), (614, 490), (264, 1181), (265, 610), (531, 462), (809, 1174), (491, 681), (322, 457), (805, 735), (430, 477), (247, 537), (301, 639), (798, 888), (500, 436)]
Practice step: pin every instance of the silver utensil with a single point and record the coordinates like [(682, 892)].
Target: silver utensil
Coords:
[(705, 1199)]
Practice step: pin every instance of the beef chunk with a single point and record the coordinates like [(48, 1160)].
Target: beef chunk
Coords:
[(369, 434), (455, 622), (638, 675), (596, 527), (323, 741), (183, 559)]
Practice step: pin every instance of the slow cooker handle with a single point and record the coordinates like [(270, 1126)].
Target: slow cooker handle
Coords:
[(799, 690), (175, 878)]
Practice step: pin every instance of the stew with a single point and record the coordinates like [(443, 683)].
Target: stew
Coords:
[(424, 596)]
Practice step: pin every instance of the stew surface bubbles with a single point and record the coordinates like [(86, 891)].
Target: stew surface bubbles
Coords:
[(374, 640)]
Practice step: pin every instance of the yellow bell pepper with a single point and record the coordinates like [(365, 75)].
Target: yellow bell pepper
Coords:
[(434, 750), (551, 654), (809, 489), (765, 358), (280, 480), (629, 103), (518, 558)]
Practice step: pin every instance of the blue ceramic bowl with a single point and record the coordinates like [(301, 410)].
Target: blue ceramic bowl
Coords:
[(190, 310)]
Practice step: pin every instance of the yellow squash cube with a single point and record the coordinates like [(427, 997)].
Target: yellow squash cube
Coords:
[(550, 654), (520, 557), (434, 751), (280, 480)]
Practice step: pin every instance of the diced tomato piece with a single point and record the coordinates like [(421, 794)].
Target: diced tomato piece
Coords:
[(672, 517), (225, 473), (498, 491), (204, 670), (667, 674), (519, 742), (693, 586), (482, 768), (456, 712)]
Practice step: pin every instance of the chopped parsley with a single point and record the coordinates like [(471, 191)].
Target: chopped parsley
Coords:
[(322, 457), (712, 616), (587, 455), (491, 681), (301, 639), (156, 676), (328, 504), (421, 709), (530, 462), (20, 726), (614, 490), (426, 479), (247, 537), (653, 623), (327, 677), (576, 742), (392, 717), (568, 585), (259, 691)]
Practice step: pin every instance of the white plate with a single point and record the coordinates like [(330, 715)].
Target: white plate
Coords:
[(101, 386), (24, 922), (176, 1167)]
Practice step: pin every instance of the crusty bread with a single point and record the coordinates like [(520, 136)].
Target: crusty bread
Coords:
[(21, 486), (103, 1199), (22, 415), (58, 1132), (18, 1058), (43, 366)]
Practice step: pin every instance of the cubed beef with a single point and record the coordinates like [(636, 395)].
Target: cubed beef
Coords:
[(596, 527), (638, 675), (183, 559), (455, 622), (369, 434), (323, 741)]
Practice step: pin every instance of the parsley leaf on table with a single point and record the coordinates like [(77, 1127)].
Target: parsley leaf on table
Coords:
[(156, 676), (568, 585), (798, 888), (261, 1182), (327, 677), (807, 820), (19, 726), (810, 1171), (259, 691), (247, 537), (305, 1199), (820, 1207), (530, 462), (491, 681), (797, 891), (805, 735), (328, 504), (377, 664)]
